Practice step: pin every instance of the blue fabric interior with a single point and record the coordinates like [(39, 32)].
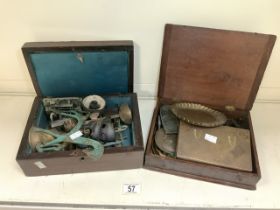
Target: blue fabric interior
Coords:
[(64, 74), (41, 119)]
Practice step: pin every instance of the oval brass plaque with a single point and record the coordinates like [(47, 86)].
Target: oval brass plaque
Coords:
[(197, 114)]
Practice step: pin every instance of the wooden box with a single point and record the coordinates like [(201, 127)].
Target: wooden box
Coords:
[(67, 69), (217, 68)]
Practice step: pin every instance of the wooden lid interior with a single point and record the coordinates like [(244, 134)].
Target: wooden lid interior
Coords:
[(215, 67), (65, 69)]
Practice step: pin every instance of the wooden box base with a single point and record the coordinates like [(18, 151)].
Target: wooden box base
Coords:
[(202, 171), (75, 161)]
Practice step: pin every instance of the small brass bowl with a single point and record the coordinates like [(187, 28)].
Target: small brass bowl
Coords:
[(125, 114)]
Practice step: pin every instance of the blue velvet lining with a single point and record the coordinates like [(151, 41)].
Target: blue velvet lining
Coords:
[(64, 74)]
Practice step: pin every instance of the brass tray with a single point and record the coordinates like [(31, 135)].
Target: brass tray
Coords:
[(197, 114)]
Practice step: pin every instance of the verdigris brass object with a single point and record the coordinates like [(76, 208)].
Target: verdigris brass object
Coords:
[(169, 121), (63, 104), (221, 146), (59, 140), (197, 114), (125, 114), (69, 124), (57, 123), (166, 142)]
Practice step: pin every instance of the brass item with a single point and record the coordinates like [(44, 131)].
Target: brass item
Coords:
[(170, 122), (62, 104), (166, 142), (103, 130), (69, 124), (125, 114), (230, 108), (57, 123), (157, 151), (94, 116), (221, 146), (94, 103), (197, 114), (36, 137)]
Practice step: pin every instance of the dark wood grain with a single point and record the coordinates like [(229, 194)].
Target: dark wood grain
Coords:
[(79, 164), (202, 171), (115, 158), (215, 68), (76, 44), (60, 162)]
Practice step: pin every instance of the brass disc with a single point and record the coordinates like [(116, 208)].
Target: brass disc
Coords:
[(197, 114)]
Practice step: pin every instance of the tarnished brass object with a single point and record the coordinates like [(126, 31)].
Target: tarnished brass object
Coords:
[(157, 151), (94, 148), (222, 146), (125, 114), (199, 115), (67, 103), (94, 103), (230, 108), (103, 130), (169, 121), (84, 123), (69, 124), (166, 142), (36, 137)]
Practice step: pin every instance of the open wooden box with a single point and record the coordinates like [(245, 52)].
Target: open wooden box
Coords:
[(217, 68), (79, 69)]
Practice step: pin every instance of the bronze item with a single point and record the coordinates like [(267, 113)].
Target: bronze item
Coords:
[(57, 123), (157, 151), (63, 104), (169, 121), (166, 142), (197, 114), (94, 103), (94, 116), (69, 124), (36, 137), (222, 146), (125, 114), (103, 130)]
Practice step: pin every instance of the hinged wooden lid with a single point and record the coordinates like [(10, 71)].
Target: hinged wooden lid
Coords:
[(62, 69), (215, 67)]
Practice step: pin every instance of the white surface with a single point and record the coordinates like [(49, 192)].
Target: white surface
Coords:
[(139, 20), (131, 188), (157, 189)]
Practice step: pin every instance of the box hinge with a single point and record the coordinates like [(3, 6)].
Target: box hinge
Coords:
[(230, 108)]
